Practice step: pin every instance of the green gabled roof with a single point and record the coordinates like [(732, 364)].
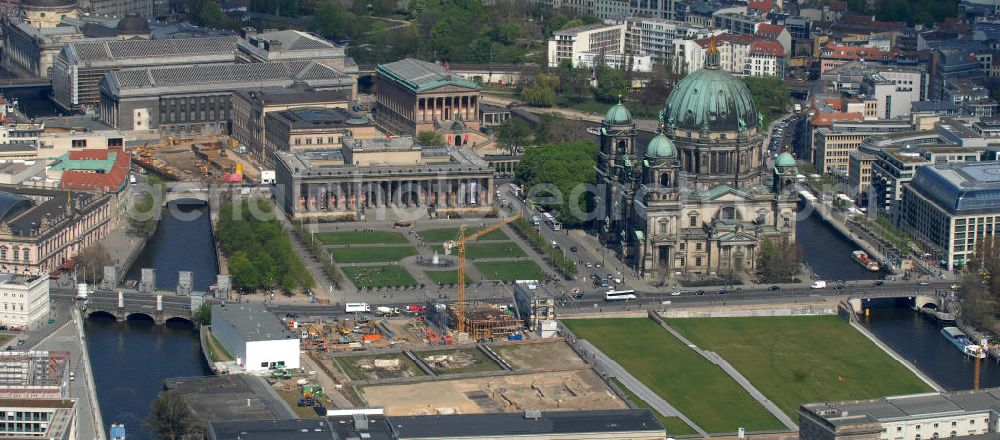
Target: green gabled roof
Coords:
[(785, 160), (420, 76), (720, 190), (64, 163)]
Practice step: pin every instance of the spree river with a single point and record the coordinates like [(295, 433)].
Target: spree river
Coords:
[(131, 359)]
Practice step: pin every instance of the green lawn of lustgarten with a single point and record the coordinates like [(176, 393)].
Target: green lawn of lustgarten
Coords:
[(378, 276), (361, 237), (445, 234), (795, 360), (376, 254), (673, 425), (696, 387), (510, 270), (501, 249)]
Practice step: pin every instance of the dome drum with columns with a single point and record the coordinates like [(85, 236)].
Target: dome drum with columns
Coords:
[(694, 202)]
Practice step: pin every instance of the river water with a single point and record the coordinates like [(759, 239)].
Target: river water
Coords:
[(919, 340), (182, 241), (131, 359), (827, 252)]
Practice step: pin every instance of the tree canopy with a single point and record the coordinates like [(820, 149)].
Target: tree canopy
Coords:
[(555, 175), (260, 254), (171, 418), (513, 135), (611, 84), (777, 261), (429, 138), (925, 12), (770, 95)]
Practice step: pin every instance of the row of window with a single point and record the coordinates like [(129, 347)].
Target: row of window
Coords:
[(25, 254)]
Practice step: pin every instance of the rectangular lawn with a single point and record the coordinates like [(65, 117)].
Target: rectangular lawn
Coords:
[(794, 360), (510, 270), (378, 276), (673, 425), (502, 249), (445, 234), (689, 382), (361, 237), (378, 254)]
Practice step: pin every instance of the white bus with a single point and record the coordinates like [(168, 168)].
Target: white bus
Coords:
[(516, 190), (619, 295), (551, 221)]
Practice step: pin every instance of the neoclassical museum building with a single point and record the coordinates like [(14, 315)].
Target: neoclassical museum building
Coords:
[(698, 199)]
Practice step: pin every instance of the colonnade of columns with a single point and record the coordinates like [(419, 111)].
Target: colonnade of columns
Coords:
[(446, 108), (442, 193)]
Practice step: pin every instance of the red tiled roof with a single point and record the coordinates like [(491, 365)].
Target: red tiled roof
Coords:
[(741, 39), (767, 48), (837, 6), (91, 181), (759, 5), (827, 119), (836, 51), (834, 103), (769, 30)]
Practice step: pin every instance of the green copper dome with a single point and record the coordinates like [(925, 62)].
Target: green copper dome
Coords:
[(785, 160), (713, 96), (618, 114), (660, 147)]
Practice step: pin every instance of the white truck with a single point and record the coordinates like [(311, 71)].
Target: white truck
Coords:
[(387, 311), (357, 308), (81, 291), (819, 284)]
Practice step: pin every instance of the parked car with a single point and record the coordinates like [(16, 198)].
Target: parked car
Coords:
[(773, 288), (700, 292), (572, 248), (722, 292)]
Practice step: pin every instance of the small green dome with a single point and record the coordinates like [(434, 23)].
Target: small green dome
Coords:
[(660, 147), (785, 160), (618, 114)]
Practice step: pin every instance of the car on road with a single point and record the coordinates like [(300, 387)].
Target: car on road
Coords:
[(773, 288), (72, 376), (924, 283), (677, 293), (723, 292), (878, 282), (818, 284), (700, 292), (598, 265), (617, 279), (589, 264), (572, 249)]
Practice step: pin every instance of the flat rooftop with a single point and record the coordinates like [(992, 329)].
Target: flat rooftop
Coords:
[(234, 397), (294, 95), (907, 407), (370, 428), (519, 424), (317, 118), (253, 322)]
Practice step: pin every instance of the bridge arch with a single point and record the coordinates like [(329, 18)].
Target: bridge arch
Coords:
[(140, 316), (101, 314), (179, 319)]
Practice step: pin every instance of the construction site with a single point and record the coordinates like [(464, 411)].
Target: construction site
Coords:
[(212, 159)]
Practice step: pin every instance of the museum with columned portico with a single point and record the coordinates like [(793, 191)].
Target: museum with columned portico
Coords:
[(382, 173)]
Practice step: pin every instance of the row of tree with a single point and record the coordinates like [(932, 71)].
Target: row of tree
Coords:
[(563, 264), (980, 289), (259, 252), (926, 12), (568, 84)]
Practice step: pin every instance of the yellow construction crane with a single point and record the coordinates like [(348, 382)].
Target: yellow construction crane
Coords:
[(460, 243), (981, 348)]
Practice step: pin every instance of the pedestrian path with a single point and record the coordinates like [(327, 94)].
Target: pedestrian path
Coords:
[(612, 368), (739, 378)]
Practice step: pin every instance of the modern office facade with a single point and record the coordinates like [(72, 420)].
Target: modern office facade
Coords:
[(951, 207), (568, 44), (25, 299)]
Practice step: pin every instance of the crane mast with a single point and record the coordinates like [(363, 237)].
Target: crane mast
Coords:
[(462, 239)]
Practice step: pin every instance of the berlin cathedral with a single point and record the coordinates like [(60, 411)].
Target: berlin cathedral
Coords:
[(697, 201)]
